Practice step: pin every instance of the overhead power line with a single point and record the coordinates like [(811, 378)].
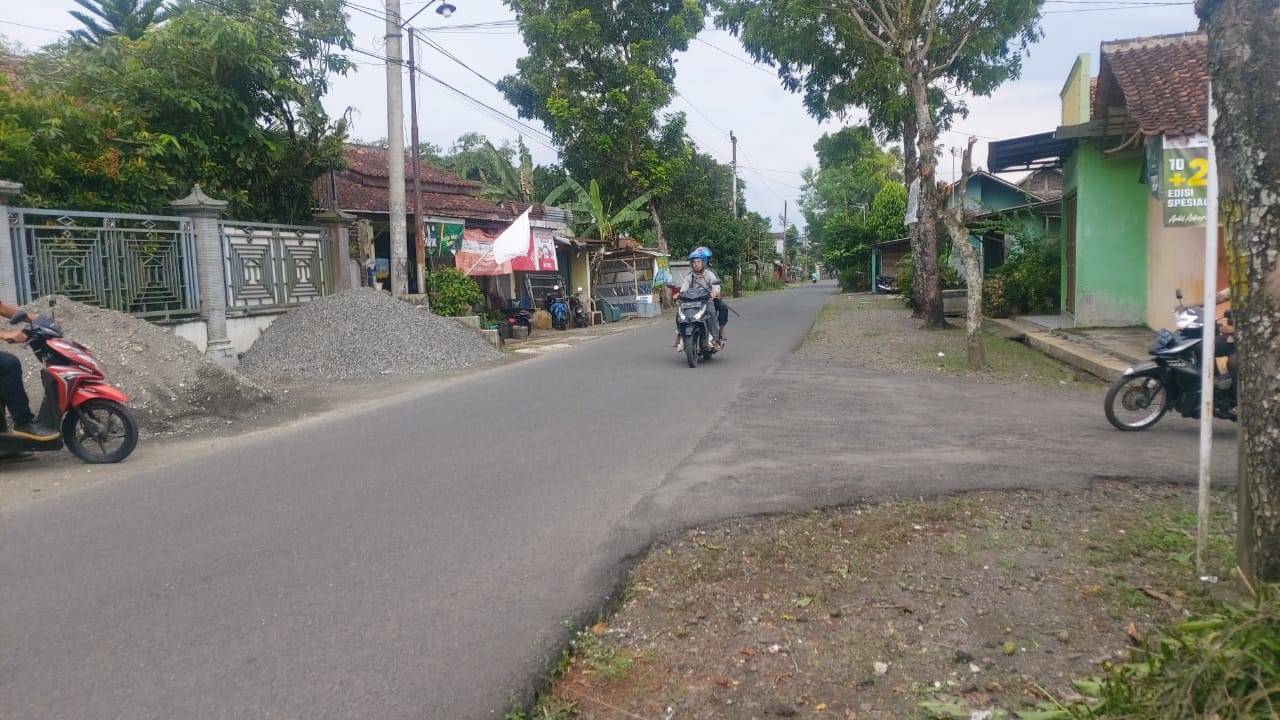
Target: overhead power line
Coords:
[(34, 27)]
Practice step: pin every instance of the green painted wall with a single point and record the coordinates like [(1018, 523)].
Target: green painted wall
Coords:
[(1111, 237)]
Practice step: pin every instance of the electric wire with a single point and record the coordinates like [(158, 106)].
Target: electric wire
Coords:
[(35, 27)]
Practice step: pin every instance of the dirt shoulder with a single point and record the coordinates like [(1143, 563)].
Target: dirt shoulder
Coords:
[(935, 607)]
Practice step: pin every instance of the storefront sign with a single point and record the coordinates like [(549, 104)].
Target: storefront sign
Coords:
[(442, 235), (474, 254), (544, 254), (1184, 181)]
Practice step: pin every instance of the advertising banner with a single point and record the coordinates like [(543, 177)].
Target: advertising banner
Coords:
[(475, 250), (543, 256), (474, 255), (1184, 181), (442, 235)]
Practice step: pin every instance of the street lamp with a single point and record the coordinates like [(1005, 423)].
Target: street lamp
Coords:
[(397, 242)]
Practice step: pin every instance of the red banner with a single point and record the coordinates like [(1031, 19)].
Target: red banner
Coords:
[(475, 257), (543, 255)]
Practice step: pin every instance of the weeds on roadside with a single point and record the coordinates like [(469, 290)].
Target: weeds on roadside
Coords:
[(1225, 665)]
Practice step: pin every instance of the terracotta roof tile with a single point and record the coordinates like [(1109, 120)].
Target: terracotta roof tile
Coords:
[(371, 161), (356, 194), (362, 189), (1162, 82)]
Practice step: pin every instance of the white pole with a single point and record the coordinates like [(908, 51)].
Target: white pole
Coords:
[(1210, 328), (399, 255)]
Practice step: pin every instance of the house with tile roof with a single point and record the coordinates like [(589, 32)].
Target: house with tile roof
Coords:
[(988, 198), (452, 209), (1122, 257)]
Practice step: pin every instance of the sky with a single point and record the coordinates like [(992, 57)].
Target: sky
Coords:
[(719, 88)]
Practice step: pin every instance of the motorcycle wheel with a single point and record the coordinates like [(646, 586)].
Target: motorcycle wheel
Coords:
[(1136, 402), (100, 431), (691, 350)]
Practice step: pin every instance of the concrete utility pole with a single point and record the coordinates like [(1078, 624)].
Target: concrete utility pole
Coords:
[(737, 271), (399, 260), (733, 139), (420, 240)]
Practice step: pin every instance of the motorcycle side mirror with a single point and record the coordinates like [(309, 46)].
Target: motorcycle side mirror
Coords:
[(19, 317), (1178, 293)]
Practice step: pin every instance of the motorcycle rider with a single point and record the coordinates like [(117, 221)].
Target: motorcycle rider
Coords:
[(12, 392), (705, 277)]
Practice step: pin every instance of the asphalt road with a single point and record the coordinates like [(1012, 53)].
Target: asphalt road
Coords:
[(427, 557)]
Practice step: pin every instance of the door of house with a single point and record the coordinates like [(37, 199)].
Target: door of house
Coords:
[(1069, 236)]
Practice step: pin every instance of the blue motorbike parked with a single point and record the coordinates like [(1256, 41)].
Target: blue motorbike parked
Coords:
[(558, 309)]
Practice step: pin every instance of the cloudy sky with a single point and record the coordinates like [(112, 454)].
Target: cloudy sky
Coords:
[(720, 89)]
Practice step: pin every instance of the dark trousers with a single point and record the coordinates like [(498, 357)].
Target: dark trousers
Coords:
[(12, 391), (722, 312)]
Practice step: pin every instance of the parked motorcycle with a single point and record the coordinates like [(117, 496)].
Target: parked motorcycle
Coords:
[(518, 317), (96, 425), (887, 284), (1171, 379), (693, 324), (576, 310), (558, 309)]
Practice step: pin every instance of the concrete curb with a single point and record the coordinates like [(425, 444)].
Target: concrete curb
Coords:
[(1071, 352)]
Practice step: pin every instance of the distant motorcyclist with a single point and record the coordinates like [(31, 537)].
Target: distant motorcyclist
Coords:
[(706, 278)]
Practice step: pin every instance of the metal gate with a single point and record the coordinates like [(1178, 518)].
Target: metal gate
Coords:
[(143, 265), (274, 265)]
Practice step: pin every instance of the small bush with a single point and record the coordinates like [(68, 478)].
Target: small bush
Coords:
[(452, 293), (751, 283), (855, 280), (1029, 281)]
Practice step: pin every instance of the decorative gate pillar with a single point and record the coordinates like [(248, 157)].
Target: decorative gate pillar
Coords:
[(336, 224), (204, 211), (9, 191)]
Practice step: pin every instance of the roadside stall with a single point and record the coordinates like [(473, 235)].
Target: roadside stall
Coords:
[(629, 280)]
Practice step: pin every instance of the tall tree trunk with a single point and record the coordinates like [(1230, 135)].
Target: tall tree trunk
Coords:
[(956, 219), (1244, 63), (910, 172), (657, 226), (931, 292)]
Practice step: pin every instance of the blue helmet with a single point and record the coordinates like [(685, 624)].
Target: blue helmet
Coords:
[(702, 253)]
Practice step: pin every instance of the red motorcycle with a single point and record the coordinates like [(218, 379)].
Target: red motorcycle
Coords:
[(95, 424)]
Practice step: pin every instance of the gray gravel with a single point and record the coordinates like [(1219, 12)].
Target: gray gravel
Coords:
[(172, 386), (362, 334)]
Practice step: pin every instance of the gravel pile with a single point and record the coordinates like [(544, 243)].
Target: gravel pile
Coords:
[(172, 386), (362, 334)]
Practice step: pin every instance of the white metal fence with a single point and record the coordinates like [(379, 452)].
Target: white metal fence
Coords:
[(140, 264), (274, 265)]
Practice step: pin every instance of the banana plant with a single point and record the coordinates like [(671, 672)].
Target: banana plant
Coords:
[(597, 218), (508, 182)]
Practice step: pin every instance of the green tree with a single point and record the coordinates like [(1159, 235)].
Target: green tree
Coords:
[(69, 152), (838, 198), (129, 18), (236, 85), (597, 75), (699, 199), (851, 170), (894, 59)]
